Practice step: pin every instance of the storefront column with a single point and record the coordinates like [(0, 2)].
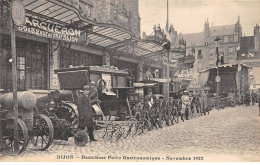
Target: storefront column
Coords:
[(54, 61), (140, 69), (165, 86)]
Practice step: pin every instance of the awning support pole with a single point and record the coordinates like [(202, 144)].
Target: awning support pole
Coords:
[(14, 78)]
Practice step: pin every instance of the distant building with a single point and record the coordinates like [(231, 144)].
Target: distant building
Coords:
[(203, 46), (122, 12), (249, 54)]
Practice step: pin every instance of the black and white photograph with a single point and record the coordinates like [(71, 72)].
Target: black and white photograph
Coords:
[(130, 81)]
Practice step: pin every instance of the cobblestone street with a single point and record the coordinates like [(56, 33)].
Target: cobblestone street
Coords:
[(230, 134)]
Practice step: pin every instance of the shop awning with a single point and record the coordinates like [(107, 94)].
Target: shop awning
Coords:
[(144, 84), (104, 35), (227, 65), (160, 80)]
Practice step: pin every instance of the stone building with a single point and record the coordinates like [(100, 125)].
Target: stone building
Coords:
[(122, 12), (203, 46), (249, 54), (107, 29)]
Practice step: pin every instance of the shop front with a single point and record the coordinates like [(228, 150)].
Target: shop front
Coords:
[(233, 80)]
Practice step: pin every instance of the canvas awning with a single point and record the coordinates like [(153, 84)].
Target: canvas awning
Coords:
[(226, 65), (104, 35), (160, 80), (140, 84)]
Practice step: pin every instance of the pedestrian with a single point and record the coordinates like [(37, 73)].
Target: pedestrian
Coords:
[(186, 102), (85, 112), (93, 93), (259, 101), (254, 97), (248, 98)]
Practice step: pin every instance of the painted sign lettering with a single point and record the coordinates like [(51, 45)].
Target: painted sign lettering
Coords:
[(45, 29)]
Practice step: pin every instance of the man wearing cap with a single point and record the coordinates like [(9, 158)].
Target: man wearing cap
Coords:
[(85, 112)]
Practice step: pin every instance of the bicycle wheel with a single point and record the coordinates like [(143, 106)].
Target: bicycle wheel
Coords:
[(146, 126), (130, 128)]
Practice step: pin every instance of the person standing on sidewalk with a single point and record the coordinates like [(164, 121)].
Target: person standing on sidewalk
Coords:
[(85, 112)]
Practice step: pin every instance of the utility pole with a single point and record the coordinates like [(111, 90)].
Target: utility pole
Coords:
[(168, 61), (14, 78)]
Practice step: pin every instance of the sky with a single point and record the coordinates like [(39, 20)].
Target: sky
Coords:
[(188, 16)]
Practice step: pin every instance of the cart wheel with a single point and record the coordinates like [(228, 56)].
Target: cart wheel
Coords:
[(81, 138), (42, 132), (8, 136)]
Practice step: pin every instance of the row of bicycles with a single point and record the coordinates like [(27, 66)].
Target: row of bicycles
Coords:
[(145, 117)]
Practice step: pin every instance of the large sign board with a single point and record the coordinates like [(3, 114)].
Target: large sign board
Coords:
[(49, 30)]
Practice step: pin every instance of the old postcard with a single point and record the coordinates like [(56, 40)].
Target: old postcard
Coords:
[(129, 81)]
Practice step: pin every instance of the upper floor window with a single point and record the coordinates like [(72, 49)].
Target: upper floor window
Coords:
[(226, 39), (212, 62), (235, 38), (200, 54), (230, 49), (212, 51), (230, 38), (221, 39)]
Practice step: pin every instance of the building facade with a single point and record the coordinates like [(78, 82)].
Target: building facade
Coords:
[(38, 55), (249, 54), (203, 45)]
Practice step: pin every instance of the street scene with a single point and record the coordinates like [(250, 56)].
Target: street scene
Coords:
[(129, 80), (227, 134)]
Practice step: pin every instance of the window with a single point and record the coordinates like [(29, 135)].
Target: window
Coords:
[(235, 38), (226, 39), (212, 62), (230, 38), (31, 64), (212, 51), (200, 54), (78, 58), (221, 39), (230, 49)]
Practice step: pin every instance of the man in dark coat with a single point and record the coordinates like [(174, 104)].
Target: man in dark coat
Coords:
[(85, 112), (248, 98), (93, 93)]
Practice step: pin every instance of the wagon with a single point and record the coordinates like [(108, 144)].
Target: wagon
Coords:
[(113, 87)]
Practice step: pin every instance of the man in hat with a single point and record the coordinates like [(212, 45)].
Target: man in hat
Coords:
[(85, 112), (149, 98), (93, 93), (186, 102)]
